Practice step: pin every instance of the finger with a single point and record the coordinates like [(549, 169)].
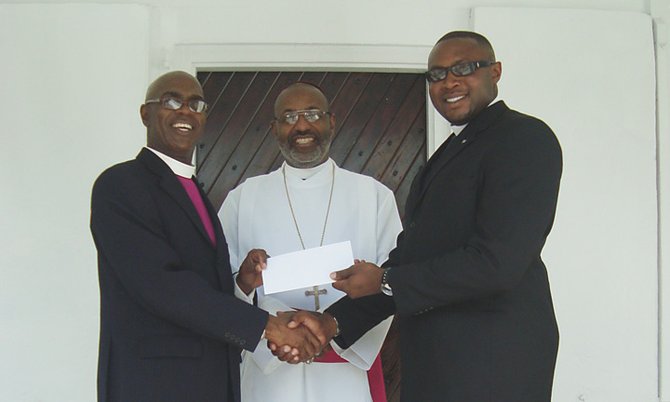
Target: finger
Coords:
[(342, 285), (260, 255), (308, 343), (260, 264), (286, 315), (314, 326), (343, 274), (314, 342), (299, 318), (285, 357), (279, 352)]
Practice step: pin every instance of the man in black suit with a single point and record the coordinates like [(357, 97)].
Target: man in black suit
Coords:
[(466, 279), (171, 328)]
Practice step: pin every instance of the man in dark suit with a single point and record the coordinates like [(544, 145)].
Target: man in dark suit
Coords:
[(171, 326), (466, 278)]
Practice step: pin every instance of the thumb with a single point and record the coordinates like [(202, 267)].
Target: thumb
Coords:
[(343, 274), (298, 319), (314, 326), (258, 255)]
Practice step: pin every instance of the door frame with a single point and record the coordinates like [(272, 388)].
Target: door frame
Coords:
[(313, 57)]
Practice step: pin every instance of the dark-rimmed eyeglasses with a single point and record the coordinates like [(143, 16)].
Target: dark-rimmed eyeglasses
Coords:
[(310, 115), (172, 103), (438, 74)]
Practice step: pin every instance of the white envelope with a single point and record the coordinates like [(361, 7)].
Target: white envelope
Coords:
[(305, 268)]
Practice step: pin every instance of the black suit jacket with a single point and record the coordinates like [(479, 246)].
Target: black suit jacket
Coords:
[(170, 326), (476, 317)]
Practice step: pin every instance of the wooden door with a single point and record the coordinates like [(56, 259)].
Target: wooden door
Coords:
[(380, 132)]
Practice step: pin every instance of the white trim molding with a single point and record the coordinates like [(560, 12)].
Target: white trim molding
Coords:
[(300, 56)]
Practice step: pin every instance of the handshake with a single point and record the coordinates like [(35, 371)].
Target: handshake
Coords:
[(299, 336)]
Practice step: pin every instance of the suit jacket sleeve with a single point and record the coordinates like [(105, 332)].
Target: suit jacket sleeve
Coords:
[(133, 242)]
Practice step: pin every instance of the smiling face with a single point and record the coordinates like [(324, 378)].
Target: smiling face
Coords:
[(303, 144), (173, 132), (459, 99)]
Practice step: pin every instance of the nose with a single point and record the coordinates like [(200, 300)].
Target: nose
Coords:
[(184, 109), (302, 124), (450, 80)]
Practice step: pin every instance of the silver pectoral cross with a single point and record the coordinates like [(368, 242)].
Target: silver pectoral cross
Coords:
[(316, 292)]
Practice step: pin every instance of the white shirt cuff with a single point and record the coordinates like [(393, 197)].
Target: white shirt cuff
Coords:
[(239, 293)]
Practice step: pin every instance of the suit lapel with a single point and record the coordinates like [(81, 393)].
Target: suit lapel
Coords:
[(222, 256), (415, 189), (169, 183), (468, 136)]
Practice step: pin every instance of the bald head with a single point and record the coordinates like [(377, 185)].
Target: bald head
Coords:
[(301, 89), (167, 81)]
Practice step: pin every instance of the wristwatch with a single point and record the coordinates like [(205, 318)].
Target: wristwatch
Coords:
[(386, 288)]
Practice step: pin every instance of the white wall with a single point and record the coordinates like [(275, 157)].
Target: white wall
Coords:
[(72, 79), (601, 255), (660, 9), (96, 60)]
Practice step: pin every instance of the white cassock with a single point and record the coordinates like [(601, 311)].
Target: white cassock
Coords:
[(256, 214)]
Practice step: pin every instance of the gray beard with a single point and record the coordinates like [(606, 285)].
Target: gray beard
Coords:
[(300, 160)]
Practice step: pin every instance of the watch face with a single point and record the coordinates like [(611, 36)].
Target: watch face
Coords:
[(386, 289)]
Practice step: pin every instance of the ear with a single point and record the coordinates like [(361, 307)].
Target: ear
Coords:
[(332, 121), (496, 71), (273, 126), (144, 114)]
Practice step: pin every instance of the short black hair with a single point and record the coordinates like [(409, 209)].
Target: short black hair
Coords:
[(479, 38)]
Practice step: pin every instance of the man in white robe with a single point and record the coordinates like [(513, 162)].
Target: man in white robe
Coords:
[(306, 203)]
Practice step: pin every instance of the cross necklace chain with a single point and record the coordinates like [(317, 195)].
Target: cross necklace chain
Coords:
[(316, 291)]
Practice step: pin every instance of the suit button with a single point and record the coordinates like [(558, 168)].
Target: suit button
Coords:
[(412, 225)]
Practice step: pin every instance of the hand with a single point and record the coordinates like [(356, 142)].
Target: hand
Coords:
[(298, 344), (361, 279), (323, 326), (249, 276)]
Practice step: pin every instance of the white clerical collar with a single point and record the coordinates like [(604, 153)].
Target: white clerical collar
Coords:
[(306, 173), (458, 129), (177, 167)]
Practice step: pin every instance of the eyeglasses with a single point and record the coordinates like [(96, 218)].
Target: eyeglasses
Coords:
[(438, 74), (310, 115), (171, 103)]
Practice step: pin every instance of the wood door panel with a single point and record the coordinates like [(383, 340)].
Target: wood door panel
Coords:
[(353, 125), (399, 134), (376, 127), (223, 105)]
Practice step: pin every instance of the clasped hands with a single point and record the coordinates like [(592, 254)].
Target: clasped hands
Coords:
[(300, 336)]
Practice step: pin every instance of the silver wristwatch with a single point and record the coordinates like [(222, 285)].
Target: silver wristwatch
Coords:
[(386, 288)]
